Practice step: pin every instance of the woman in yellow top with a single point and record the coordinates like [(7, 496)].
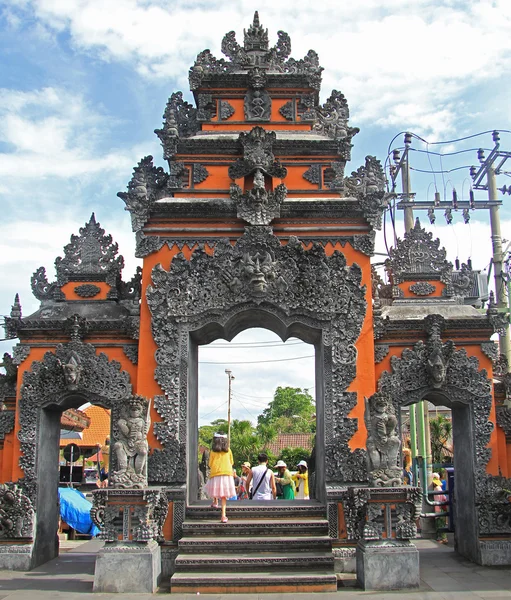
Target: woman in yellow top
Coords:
[(302, 476), (221, 481)]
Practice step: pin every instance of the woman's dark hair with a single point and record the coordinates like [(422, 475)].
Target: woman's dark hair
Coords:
[(262, 457), (220, 444)]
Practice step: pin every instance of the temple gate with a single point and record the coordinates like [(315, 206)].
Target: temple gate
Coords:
[(254, 223)]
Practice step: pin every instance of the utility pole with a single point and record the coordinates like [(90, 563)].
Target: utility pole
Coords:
[(231, 377), (490, 167)]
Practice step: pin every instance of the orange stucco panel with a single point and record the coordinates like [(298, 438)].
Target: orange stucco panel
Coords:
[(69, 290)]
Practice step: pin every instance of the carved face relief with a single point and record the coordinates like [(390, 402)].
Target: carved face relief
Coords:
[(437, 369), (259, 269)]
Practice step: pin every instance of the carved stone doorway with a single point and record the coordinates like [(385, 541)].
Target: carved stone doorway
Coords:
[(240, 322), (48, 389)]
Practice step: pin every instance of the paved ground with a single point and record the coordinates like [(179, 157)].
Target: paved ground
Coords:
[(444, 576)]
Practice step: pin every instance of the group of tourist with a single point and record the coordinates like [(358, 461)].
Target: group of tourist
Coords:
[(255, 483)]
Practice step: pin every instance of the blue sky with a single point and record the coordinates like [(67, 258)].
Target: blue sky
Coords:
[(83, 84)]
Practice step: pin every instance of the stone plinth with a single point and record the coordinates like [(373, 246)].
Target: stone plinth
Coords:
[(16, 557), (387, 565), (128, 567)]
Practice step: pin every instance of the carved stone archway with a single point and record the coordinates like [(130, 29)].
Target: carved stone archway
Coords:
[(257, 282), (68, 378), (442, 374)]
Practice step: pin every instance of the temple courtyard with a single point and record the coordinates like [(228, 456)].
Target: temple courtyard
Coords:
[(444, 575)]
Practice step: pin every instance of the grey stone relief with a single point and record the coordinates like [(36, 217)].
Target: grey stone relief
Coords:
[(257, 154), (288, 110), (258, 206), (422, 288), (131, 352), (16, 513), (380, 352), (226, 110), (130, 446), (418, 256), (257, 273), (332, 118), (383, 442), (313, 174), (436, 365), (179, 120), (491, 350), (73, 368), (20, 353), (503, 420), (257, 100), (255, 52), (87, 290)]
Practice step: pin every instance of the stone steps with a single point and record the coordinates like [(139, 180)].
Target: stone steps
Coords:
[(262, 561), (261, 527), (264, 547), (227, 545), (260, 582)]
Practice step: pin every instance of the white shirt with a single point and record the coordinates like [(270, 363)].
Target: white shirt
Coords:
[(264, 491)]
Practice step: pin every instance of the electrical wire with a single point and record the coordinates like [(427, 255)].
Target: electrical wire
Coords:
[(441, 171), (253, 362), (248, 345), (213, 411)]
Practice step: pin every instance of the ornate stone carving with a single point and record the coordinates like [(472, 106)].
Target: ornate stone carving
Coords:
[(498, 320), (6, 422), (87, 290), (287, 110), (131, 352), (130, 444), (367, 184), (20, 353), (226, 110), (462, 382), (16, 308), (463, 281), (331, 119), (313, 174), (179, 120), (334, 176), (132, 289), (8, 381), (200, 173), (491, 350), (147, 185), (365, 243), (383, 443), (257, 99), (101, 381), (90, 255), (43, 290), (380, 352), (257, 154), (16, 513), (178, 175), (258, 273), (419, 257), (503, 420), (422, 288), (255, 52), (206, 107), (258, 206)]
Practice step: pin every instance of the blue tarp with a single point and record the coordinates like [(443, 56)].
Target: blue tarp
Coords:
[(75, 511)]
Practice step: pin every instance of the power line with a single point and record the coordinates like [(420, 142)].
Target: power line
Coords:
[(252, 345), (252, 362)]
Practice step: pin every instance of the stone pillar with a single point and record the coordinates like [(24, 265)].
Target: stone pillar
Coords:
[(131, 523), (383, 565)]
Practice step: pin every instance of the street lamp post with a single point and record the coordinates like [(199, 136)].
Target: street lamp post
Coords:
[(231, 377)]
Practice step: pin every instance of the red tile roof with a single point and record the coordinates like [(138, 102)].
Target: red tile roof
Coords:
[(98, 430), (291, 440)]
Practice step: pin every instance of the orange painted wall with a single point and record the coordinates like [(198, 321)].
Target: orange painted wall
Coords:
[(70, 294)]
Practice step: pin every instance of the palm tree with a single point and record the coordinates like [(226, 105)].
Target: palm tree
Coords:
[(440, 429)]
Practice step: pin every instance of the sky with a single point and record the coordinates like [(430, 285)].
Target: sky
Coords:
[(83, 85)]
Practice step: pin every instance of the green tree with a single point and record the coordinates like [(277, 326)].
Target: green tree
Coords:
[(440, 429), (291, 411), (292, 456)]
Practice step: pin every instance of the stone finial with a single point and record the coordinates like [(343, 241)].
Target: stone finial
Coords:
[(16, 308)]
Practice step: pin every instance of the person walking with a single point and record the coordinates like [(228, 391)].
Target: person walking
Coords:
[(262, 479), (285, 480), (246, 469), (221, 481)]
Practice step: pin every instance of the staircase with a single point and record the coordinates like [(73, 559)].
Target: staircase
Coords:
[(265, 547)]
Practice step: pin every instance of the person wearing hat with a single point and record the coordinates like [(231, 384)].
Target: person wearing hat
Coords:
[(440, 522), (302, 477), (246, 469), (286, 482)]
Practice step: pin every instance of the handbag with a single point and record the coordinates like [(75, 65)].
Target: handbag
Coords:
[(252, 491)]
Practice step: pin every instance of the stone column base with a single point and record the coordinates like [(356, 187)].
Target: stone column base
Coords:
[(16, 557), (387, 565), (128, 567), (495, 552)]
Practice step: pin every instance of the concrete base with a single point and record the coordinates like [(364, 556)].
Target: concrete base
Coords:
[(495, 553), (345, 560), (387, 566), (16, 557), (128, 567)]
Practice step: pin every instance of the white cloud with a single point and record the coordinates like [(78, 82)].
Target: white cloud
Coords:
[(397, 62)]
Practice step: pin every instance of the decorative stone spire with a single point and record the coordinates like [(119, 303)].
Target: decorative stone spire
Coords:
[(16, 308), (256, 38)]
